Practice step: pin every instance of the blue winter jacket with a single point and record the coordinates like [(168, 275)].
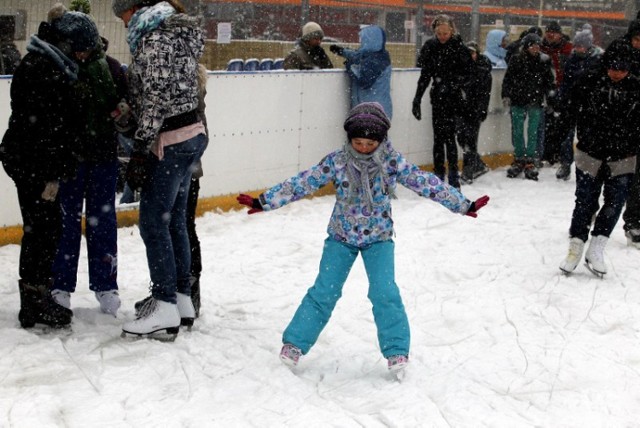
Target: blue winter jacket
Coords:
[(494, 50), (369, 69), (354, 221)]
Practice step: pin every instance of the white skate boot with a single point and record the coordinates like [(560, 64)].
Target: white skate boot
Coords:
[(595, 255), (155, 316), (576, 247)]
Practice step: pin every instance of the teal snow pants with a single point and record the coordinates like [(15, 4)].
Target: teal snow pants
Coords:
[(317, 305)]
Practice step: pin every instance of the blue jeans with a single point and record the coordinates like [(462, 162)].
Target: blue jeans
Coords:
[(588, 189), (95, 186), (163, 224), (318, 304)]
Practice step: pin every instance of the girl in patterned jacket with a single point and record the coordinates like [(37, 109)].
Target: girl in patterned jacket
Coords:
[(364, 173), (166, 45)]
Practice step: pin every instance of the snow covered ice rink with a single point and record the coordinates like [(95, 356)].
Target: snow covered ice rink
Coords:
[(500, 338)]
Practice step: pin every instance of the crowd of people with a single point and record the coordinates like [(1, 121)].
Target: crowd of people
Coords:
[(65, 163)]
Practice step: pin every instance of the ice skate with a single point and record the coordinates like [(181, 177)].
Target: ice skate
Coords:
[(396, 365), (109, 301), (564, 172), (397, 362), (63, 298), (290, 355), (576, 247), (186, 310), (38, 307), (195, 294), (633, 238), (155, 318), (530, 171), (594, 258), (516, 168)]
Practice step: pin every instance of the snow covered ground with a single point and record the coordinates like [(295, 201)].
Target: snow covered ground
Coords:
[(499, 337)]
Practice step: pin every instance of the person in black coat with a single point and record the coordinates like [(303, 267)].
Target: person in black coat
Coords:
[(474, 112), (37, 155), (605, 106), (631, 214), (525, 86), (584, 57), (445, 61)]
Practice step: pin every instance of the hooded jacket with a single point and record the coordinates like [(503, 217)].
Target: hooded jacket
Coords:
[(494, 51), (166, 48), (42, 88), (307, 57), (369, 69)]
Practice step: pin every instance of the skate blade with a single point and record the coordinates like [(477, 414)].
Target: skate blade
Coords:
[(162, 335), (593, 271), (187, 322), (630, 243), (398, 374), (566, 272)]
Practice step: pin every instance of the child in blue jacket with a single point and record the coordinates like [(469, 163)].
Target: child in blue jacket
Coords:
[(364, 173)]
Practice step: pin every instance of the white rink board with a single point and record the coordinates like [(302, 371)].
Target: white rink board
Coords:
[(266, 126)]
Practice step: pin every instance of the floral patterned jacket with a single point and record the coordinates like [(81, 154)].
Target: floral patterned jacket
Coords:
[(354, 221)]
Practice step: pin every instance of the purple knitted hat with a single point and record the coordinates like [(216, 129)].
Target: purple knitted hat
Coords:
[(367, 120)]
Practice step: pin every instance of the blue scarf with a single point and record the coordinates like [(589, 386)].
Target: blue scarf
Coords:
[(146, 20), (68, 66)]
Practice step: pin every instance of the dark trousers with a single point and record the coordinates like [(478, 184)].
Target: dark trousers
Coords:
[(631, 214), (41, 225), (555, 133), (194, 242), (588, 189), (444, 144), (93, 187)]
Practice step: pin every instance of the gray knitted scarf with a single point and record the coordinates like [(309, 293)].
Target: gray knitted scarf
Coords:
[(362, 171), (68, 66)]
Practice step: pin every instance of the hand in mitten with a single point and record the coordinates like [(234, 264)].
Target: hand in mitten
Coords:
[(475, 206), (338, 50), (416, 109), (251, 202), (50, 191), (136, 174)]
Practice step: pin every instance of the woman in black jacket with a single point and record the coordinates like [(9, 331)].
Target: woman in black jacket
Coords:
[(37, 152), (445, 60), (474, 112)]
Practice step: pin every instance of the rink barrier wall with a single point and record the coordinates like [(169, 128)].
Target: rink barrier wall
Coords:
[(267, 126)]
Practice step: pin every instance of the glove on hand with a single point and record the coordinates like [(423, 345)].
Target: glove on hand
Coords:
[(251, 202), (136, 174), (506, 102), (416, 109), (50, 191), (475, 206), (338, 50)]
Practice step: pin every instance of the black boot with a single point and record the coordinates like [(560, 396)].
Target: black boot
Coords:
[(467, 168), (37, 306), (195, 294), (516, 168)]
